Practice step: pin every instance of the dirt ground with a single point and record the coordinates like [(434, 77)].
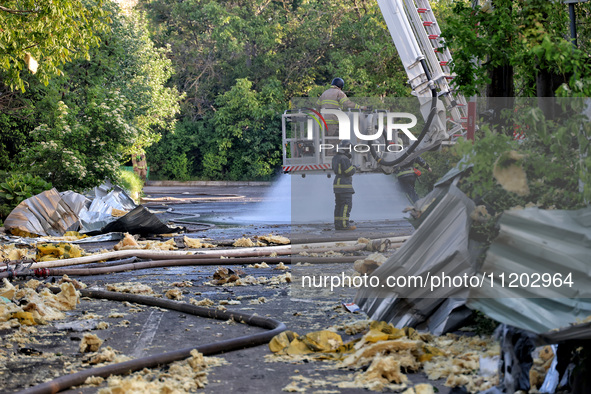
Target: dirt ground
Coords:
[(208, 212)]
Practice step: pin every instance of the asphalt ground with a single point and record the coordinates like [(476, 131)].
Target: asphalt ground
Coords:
[(208, 212)]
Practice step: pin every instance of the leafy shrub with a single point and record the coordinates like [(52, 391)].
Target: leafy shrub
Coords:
[(19, 187), (176, 168), (131, 182), (440, 161)]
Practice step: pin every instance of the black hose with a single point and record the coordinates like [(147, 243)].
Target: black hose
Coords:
[(426, 127), (410, 149), (78, 378)]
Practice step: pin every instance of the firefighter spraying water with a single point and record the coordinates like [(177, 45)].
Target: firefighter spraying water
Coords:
[(313, 130)]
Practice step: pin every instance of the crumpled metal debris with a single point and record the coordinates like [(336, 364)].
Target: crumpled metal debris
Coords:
[(555, 243), (111, 210), (45, 214), (440, 244), (100, 212)]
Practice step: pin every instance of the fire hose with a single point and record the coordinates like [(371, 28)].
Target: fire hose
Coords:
[(347, 246), (78, 378), (121, 267)]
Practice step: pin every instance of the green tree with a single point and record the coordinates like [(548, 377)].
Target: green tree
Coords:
[(245, 143), (103, 108), (526, 39), (50, 32), (293, 45)]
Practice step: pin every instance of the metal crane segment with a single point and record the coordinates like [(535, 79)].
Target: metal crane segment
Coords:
[(416, 34)]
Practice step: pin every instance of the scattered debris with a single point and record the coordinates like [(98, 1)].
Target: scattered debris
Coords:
[(352, 328), (259, 265), (29, 307), (206, 302), (351, 307), (196, 243), (260, 300), (94, 381), (423, 388), (107, 355), (130, 242), (508, 171), (130, 287), (11, 252), (385, 351), (62, 250), (174, 294), (83, 325), (369, 264), (480, 214), (180, 377), (65, 279), (185, 283), (90, 343), (281, 266), (274, 239), (243, 243), (224, 275)]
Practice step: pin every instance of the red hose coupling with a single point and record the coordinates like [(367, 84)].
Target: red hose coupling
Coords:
[(42, 272)]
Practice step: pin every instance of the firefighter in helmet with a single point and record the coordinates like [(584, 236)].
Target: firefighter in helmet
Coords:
[(407, 177), (335, 98), (343, 185)]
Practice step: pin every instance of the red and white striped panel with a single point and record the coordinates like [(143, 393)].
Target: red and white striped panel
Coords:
[(309, 167)]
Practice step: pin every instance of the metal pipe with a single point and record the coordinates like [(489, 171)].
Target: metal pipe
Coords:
[(573, 23), (124, 265), (78, 378)]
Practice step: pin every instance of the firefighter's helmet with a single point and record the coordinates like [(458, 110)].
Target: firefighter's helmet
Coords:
[(345, 145), (338, 82)]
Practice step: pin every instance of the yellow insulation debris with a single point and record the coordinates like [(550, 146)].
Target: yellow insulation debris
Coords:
[(62, 250), (90, 343), (196, 243), (130, 243), (29, 307), (274, 239), (243, 243), (385, 351), (130, 287), (181, 377)]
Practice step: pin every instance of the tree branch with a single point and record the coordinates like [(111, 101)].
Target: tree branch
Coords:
[(17, 12)]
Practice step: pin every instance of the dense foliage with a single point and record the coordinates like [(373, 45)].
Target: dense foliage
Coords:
[(240, 63), (524, 47), (200, 84), (76, 131), (18, 187), (529, 41), (51, 32)]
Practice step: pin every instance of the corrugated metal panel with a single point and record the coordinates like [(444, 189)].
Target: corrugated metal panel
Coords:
[(535, 241), (44, 214), (440, 244)]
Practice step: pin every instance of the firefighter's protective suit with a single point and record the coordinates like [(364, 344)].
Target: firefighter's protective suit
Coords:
[(343, 189), (407, 177)]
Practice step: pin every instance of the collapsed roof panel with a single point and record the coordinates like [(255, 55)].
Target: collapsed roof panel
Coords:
[(544, 257), (440, 244)]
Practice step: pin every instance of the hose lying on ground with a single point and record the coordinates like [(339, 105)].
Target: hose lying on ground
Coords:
[(78, 378), (241, 252), (113, 268)]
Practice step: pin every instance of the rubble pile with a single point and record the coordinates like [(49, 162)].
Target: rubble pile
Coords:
[(27, 306), (180, 377), (385, 354), (229, 277)]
